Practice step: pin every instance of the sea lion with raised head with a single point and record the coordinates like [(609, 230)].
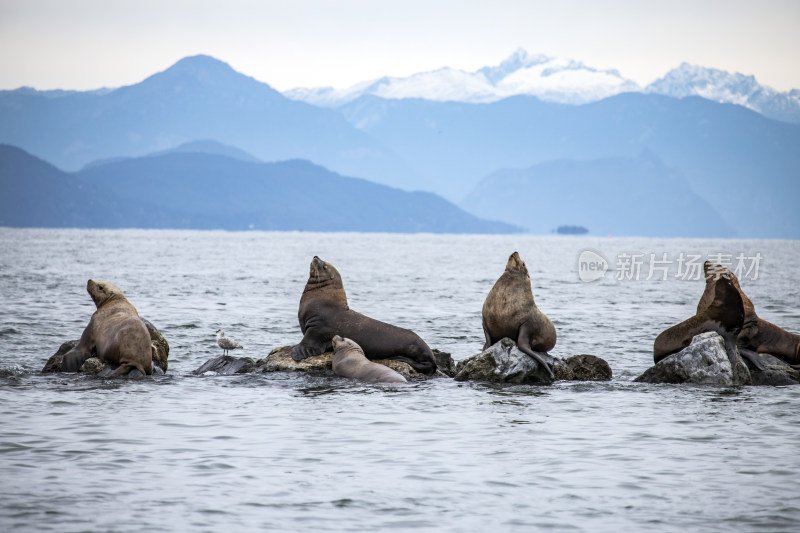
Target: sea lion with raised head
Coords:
[(757, 335), (510, 311), (720, 309), (115, 334), (324, 313), (349, 361)]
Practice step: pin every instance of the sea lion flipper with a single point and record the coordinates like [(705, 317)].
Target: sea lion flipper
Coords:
[(307, 348), (753, 357), (523, 343), (73, 360), (488, 338)]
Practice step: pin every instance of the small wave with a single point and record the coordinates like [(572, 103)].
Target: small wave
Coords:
[(7, 332)]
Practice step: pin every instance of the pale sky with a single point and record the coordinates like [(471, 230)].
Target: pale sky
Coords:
[(88, 44)]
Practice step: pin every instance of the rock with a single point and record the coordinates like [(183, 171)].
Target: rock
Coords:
[(227, 364), (160, 355), (54, 363), (93, 365), (161, 351), (704, 361), (585, 367), (280, 360), (776, 372), (445, 363), (503, 362)]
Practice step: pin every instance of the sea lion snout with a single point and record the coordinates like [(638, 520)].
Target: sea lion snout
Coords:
[(336, 341), (515, 262)]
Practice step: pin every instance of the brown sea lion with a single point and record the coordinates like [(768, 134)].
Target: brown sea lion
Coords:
[(757, 335), (720, 309), (349, 361), (115, 334), (324, 313), (509, 311)]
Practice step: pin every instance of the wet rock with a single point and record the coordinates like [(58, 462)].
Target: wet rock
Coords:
[(160, 351), (704, 361), (54, 363), (160, 346), (445, 363), (280, 360), (93, 365), (503, 362), (585, 367), (776, 372), (227, 364)]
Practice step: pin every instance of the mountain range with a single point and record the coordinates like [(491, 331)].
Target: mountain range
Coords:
[(736, 165), (190, 189), (563, 81)]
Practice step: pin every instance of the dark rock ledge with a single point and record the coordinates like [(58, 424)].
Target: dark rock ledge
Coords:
[(503, 362)]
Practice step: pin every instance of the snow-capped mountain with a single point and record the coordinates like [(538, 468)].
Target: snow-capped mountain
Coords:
[(564, 81), (722, 86), (551, 79)]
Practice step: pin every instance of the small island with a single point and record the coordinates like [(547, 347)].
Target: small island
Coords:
[(571, 230)]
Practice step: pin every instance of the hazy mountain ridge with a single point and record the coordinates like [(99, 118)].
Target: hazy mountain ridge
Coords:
[(193, 190), (551, 79), (734, 158), (609, 196), (197, 98), (562, 81), (721, 86)]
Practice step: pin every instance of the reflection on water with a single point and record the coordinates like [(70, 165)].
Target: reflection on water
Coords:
[(314, 452)]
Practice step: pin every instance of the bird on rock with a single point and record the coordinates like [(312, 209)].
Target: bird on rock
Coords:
[(226, 343)]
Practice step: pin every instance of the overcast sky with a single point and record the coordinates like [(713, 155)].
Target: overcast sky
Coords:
[(87, 44)]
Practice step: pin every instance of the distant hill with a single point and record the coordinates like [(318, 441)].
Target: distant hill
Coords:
[(617, 196), (197, 98), (210, 191), (744, 165)]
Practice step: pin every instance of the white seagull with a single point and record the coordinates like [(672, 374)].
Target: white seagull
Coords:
[(225, 343)]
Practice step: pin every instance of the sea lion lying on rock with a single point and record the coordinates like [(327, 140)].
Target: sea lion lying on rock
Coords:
[(324, 313), (349, 361), (509, 311), (115, 334)]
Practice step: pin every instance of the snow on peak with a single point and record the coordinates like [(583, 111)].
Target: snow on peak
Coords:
[(548, 78), (722, 86)]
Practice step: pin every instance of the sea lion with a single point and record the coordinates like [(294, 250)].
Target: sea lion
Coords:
[(324, 313), (115, 334), (720, 309), (757, 335), (349, 361), (509, 311)]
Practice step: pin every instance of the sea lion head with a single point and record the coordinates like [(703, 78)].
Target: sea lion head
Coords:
[(516, 265), (340, 342), (103, 291), (714, 272), (322, 273)]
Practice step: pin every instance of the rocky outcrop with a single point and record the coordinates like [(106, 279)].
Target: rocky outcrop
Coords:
[(280, 360), (504, 362), (776, 372), (704, 361), (93, 365)]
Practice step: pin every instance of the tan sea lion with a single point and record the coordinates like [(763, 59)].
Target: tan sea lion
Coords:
[(509, 311), (349, 361), (324, 313), (757, 335), (115, 334)]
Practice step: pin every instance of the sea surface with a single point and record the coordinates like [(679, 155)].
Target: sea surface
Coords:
[(293, 452)]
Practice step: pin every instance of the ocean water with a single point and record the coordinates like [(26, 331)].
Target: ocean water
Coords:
[(291, 452)]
